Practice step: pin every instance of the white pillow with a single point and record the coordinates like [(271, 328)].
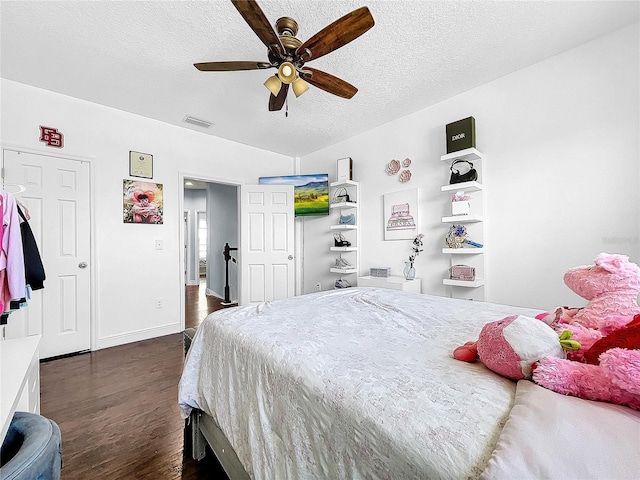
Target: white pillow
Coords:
[(552, 436)]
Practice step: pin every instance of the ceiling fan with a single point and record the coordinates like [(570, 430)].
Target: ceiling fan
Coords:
[(289, 55)]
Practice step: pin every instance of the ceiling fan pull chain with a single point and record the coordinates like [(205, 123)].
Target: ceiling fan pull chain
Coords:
[(286, 108)]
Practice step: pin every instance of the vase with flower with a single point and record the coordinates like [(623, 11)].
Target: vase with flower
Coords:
[(416, 247)]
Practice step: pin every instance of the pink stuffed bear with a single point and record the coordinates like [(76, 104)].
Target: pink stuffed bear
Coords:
[(611, 286), (615, 379)]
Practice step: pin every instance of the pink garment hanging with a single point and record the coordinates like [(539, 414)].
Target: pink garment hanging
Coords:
[(3, 277), (12, 256), (5, 296)]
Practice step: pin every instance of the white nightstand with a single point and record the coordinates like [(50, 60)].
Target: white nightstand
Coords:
[(394, 283), (20, 372)]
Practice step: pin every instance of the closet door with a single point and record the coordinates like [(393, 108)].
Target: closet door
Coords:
[(57, 196)]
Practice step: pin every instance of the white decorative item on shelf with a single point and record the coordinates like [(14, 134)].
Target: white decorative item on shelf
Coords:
[(345, 169), (460, 208)]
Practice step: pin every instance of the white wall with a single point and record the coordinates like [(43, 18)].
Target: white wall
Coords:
[(222, 210), (130, 274), (562, 175)]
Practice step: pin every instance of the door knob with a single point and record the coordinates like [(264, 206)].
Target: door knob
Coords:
[(82, 265), (290, 257)]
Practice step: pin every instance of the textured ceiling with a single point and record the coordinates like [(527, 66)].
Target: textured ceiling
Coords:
[(138, 56)]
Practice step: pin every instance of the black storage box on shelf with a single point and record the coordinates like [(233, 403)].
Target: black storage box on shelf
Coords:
[(461, 134)]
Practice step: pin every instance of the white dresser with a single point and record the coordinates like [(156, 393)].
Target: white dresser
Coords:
[(19, 378), (393, 282)]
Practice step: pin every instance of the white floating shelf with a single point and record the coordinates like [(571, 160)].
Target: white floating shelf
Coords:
[(463, 186), (344, 271), (343, 227), (463, 251), (344, 183), (478, 282), (344, 249), (344, 205), (462, 219), (469, 154)]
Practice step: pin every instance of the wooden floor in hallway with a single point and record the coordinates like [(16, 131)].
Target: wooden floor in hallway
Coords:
[(198, 304), (117, 408)]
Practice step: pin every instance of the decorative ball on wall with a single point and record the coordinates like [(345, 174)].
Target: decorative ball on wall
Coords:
[(405, 176), (406, 162)]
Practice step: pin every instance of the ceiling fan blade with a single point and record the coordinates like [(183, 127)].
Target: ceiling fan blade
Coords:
[(255, 17), (338, 34), (276, 103), (230, 66), (327, 82)]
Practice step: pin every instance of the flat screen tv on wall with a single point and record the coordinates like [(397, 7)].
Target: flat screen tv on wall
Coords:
[(310, 192)]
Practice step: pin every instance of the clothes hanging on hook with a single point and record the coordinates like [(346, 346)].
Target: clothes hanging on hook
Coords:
[(34, 270), (12, 271)]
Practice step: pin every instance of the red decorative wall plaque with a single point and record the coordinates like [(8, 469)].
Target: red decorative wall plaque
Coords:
[(51, 136)]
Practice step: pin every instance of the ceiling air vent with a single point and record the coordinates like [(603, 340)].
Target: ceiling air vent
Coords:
[(197, 122)]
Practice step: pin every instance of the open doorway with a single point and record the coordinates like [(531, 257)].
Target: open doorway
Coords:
[(210, 221)]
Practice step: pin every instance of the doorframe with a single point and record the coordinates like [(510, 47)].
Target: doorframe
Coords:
[(182, 175), (93, 288), (187, 247)]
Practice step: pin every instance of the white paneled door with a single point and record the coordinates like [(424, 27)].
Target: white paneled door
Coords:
[(57, 197), (267, 243)]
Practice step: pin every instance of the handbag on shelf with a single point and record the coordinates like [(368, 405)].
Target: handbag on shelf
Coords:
[(349, 219), (340, 196), (457, 177), (462, 272)]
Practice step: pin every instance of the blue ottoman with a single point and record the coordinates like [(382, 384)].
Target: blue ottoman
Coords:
[(32, 449)]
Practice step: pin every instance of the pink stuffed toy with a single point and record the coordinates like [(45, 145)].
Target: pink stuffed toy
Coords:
[(510, 346), (616, 379), (520, 347), (611, 286)]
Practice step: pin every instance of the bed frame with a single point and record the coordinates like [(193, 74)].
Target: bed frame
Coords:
[(205, 431)]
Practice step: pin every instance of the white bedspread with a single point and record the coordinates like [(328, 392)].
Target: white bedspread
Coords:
[(352, 383)]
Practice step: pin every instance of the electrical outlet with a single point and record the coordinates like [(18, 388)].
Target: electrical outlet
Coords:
[(318, 287), (159, 303)]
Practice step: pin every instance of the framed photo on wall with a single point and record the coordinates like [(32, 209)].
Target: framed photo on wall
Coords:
[(401, 214), (140, 164), (142, 202)]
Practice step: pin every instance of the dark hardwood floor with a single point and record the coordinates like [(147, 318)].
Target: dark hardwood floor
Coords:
[(117, 409), (198, 305)]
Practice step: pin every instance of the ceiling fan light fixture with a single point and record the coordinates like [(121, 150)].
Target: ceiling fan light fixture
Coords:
[(299, 86), (274, 85), (287, 72)]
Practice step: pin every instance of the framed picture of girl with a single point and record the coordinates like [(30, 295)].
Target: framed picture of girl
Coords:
[(142, 202)]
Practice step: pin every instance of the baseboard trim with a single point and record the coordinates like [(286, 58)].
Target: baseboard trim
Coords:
[(211, 293), (144, 334)]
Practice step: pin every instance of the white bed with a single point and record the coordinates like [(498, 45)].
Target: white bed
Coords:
[(352, 383)]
